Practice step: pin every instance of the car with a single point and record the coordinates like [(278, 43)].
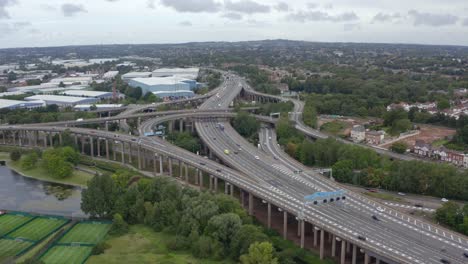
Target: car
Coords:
[(375, 218), (214, 138), (256, 157), (418, 205), (402, 194), (445, 261), (133, 139), (276, 158), (218, 170), (380, 209), (444, 200), (202, 163), (361, 238), (465, 254), (226, 151), (236, 152), (373, 190), (239, 149), (269, 137)]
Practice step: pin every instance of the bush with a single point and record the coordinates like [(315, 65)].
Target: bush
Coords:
[(399, 147), (119, 226), (100, 248), (29, 161), (178, 243), (15, 155)]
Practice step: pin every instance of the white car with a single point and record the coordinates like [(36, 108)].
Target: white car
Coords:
[(402, 194), (380, 209), (256, 157), (444, 200)]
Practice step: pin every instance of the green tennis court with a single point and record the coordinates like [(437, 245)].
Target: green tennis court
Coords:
[(66, 254), (10, 248), (9, 222), (38, 228), (86, 233)]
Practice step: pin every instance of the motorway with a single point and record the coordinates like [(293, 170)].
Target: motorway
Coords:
[(396, 236)]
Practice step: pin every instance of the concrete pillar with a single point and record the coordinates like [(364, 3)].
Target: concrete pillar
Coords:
[(107, 149), (161, 169), (285, 224), (181, 125), (215, 184), (231, 186), (91, 143), (76, 140), (45, 140), (169, 164), (211, 183), (226, 186), (107, 125), (130, 153), (138, 122), (139, 156), (251, 204), (366, 258), (196, 176), (333, 252), (154, 165), (242, 197), (186, 173), (354, 254), (298, 227), (82, 144), (322, 243), (123, 152), (302, 225), (315, 236), (269, 215), (19, 138), (343, 252), (98, 147), (200, 176), (180, 168), (50, 139)]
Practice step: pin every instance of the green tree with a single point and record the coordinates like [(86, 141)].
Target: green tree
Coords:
[(400, 125), (443, 103), (259, 253), (119, 226), (247, 235), (56, 164), (399, 147), (343, 170), (206, 247), (223, 228), (246, 124), (99, 198), (15, 155), (29, 161)]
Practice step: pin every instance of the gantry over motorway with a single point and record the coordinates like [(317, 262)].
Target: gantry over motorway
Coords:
[(273, 183)]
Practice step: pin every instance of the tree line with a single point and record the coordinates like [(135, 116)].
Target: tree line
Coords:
[(210, 226)]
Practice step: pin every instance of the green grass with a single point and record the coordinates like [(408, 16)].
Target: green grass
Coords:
[(439, 142), (143, 245), (86, 233), (334, 127), (38, 228), (10, 248), (384, 196), (11, 221), (78, 178), (66, 254)]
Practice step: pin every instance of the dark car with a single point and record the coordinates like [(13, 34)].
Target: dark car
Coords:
[(418, 205), (214, 138), (375, 218), (202, 163), (362, 238), (445, 261), (465, 254), (218, 170)]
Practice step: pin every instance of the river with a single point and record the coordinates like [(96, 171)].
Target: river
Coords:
[(19, 193)]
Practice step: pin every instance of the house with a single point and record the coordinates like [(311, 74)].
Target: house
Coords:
[(465, 161), (441, 153), (375, 137), (455, 157), (358, 133), (401, 105), (422, 149)]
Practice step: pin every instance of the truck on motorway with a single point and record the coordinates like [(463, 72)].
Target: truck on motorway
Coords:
[(226, 151)]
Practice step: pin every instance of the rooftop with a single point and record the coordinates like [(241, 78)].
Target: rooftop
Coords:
[(160, 80), (56, 98), (86, 93)]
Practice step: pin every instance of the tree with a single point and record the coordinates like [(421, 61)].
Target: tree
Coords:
[(400, 125), (206, 247), (443, 103), (343, 170), (56, 164), (223, 228), (61, 84), (15, 155), (119, 226), (246, 124), (99, 198), (247, 235), (399, 147), (29, 161), (259, 253)]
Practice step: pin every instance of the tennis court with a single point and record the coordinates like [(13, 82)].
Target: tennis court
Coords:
[(11, 247), (9, 222), (86, 233), (38, 228), (72, 254)]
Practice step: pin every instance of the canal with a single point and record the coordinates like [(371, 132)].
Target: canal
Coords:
[(19, 193)]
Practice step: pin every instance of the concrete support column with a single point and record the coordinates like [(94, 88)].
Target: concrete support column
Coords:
[(107, 149), (196, 176), (107, 126), (315, 236), (215, 184), (76, 140), (302, 225), (200, 181), (50, 139), (226, 186), (343, 252), (181, 125), (138, 121), (82, 144), (251, 204), (180, 169), (169, 164), (354, 254), (130, 153), (285, 224), (242, 197), (333, 252), (123, 152), (231, 189), (211, 183), (139, 156), (91, 144), (186, 173), (161, 169), (298, 226), (60, 139), (45, 140), (98, 147), (154, 165), (366, 258), (269, 215), (19, 138), (322, 243)]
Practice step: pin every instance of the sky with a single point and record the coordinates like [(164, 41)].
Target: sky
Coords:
[(35, 23)]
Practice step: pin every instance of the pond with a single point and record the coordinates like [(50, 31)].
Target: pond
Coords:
[(19, 193)]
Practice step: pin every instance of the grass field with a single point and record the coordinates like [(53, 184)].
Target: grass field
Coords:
[(9, 222), (87, 233), (38, 228), (142, 245), (9, 248), (66, 254)]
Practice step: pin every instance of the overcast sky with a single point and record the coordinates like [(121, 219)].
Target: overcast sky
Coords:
[(26, 23)]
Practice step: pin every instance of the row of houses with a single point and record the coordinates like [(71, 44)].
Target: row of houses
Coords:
[(360, 134), (440, 153)]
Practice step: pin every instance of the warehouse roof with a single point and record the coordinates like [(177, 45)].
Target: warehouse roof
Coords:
[(84, 93), (14, 103), (136, 75), (56, 98), (160, 80)]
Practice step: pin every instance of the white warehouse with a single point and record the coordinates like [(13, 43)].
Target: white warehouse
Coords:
[(187, 73), (16, 104), (163, 84), (62, 101), (85, 93)]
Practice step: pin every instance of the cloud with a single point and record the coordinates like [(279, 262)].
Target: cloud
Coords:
[(48, 7), (311, 5), (302, 16), (282, 7), (150, 4), (246, 6), (192, 6), (3, 5), (382, 17), (431, 19), (232, 16), (70, 10), (351, 27), (328, 6), (465, 22), (185, 24), (10, 28)]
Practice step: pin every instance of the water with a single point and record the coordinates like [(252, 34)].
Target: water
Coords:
[(24, 194)]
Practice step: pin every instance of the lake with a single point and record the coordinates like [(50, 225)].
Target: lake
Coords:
[(24, 194)]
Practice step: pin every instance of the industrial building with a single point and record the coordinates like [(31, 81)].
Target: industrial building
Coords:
[(73, 80), (158, 84), (32, 88), (103, 107), (186, 73), (85, 93), (11, 93), (16, 104), (110, 75), (174, 94), (132, 75), (62, 101)]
